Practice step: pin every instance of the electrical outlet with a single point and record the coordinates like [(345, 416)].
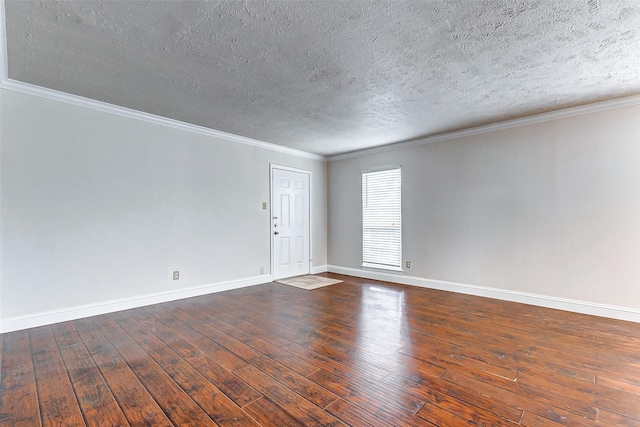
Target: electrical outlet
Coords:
[(408, 264), (261, 270), (264, 205), (176, 275)]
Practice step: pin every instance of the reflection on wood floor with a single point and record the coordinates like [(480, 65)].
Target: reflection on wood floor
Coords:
[(360, 353)]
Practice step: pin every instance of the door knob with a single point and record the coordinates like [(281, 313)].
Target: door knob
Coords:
[(275, 232)]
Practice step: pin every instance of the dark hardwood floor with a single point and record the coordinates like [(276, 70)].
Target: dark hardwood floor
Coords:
[(360, 353)]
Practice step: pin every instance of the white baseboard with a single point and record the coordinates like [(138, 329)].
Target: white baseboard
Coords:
[(584, 307), (319, 269), (79, 312)]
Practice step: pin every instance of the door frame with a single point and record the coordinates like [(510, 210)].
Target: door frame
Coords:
[(273, 166)]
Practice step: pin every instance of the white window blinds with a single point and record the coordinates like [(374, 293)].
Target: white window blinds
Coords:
[(381, 219)]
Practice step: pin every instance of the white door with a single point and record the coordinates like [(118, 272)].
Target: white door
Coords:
[(290, 223)]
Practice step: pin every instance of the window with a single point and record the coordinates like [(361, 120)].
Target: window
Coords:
[(381, 219)]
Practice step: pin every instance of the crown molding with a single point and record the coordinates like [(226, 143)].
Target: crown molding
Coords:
[(10, 84), (17, 86), (55, 95), (595, 107)]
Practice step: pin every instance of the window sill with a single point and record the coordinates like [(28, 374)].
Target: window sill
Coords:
[(396, 270)]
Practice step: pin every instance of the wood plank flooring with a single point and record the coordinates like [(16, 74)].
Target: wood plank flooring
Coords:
[(358, 353)]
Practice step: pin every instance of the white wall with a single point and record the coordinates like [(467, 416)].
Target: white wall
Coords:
[(98, 207), (550, 209)]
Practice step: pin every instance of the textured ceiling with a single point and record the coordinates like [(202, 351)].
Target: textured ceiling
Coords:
[(330, 76)]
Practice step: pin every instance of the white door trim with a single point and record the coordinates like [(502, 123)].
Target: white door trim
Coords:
[(273, 166)]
